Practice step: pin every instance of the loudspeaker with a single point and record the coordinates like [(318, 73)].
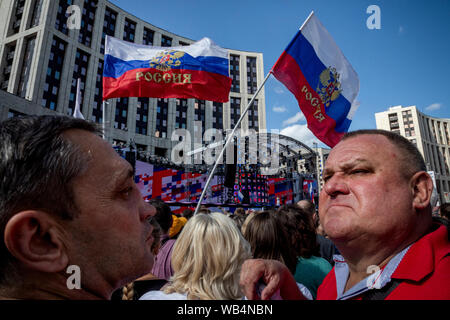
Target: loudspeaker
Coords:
[(230, 175), (130, 156)]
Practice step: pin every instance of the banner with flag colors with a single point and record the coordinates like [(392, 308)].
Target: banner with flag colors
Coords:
[(200, 71)]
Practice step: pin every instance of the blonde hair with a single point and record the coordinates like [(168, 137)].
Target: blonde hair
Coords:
[(207, 258)]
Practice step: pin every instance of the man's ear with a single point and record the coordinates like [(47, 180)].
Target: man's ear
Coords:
[(35, 239), (422, 187)]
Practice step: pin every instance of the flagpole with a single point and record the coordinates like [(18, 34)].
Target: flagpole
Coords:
[(103, 119), (230, 138)]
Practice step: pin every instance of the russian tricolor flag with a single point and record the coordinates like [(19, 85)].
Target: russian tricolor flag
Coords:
[(197, 71), (314, 69)]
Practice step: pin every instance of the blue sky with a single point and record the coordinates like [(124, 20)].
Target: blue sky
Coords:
[(406, 62)]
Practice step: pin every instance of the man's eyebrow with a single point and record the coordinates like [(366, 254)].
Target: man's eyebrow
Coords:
[(125, 175), (348, 165)]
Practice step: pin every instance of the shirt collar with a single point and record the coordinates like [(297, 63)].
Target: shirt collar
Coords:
[(377, 278)]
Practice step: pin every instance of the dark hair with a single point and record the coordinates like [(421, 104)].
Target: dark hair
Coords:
[(187, 213), (299, 226), (307, 205), (268, 239), (412, 160), (163, 214), (37, 165), (238, 219)]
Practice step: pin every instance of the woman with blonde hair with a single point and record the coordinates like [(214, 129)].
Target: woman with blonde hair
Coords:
[(206, 260)]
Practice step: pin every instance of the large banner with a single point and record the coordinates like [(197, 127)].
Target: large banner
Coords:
[(174, 185)]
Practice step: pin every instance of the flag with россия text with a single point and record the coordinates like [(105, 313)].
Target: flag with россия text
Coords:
[(199, 71), (324, 83)]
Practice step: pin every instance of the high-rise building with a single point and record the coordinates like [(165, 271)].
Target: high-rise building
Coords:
[(429, 134), (46, 45)]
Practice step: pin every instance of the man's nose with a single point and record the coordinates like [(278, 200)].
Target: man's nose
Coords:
[(147, 211), (336, 185)]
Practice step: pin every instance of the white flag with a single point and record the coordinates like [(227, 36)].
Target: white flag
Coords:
[(77, 112)]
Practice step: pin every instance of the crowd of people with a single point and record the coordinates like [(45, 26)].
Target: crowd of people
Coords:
[(68, 199)]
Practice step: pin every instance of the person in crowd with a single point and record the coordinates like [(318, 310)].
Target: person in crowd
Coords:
[(269, 239), (162, 268), (238, 219), (177, 225), (311, 269), (375, 206), (73, 222), (327, 249), (187, 213), (206, 260)]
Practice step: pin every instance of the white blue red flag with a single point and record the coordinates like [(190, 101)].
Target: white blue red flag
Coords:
[(314, 69), (197, 71)]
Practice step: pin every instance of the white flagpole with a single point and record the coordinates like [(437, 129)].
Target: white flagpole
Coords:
[(230, 138), (234, 130), (103, 119)]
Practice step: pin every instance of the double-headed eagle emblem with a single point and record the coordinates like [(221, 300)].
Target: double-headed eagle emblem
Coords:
[(329, 87), (165, 60)]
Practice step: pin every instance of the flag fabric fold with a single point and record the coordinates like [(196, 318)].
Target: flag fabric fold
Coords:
[(200, 70), (324, 83)]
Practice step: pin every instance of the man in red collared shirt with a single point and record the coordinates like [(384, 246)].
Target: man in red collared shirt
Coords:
[(375, 207)]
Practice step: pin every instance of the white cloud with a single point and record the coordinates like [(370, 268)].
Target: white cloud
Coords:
[(298, 116), (279, 109), (433, 107), (279, 90), (301, 133)]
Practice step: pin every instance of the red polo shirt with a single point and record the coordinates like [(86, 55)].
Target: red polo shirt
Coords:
[(424, 271)]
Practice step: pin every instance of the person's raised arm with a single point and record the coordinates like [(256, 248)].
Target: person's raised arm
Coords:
[(274, 274)]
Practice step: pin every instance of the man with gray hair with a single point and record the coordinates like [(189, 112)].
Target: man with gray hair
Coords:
[(68, 203)]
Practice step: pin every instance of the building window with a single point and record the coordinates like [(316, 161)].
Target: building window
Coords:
[(109, 26), (36, 15), (10, 50), (217, 115), (14, 113), (181, 113), (200, 113), (166, 41), (16, 19), (26, 66), (235, 110), (142, 115), (54, 69), (87, 22), (234, 73), (148, 37), (79, 72), (61, 16), (121, 117), (252, 85), (129, 30), (162, 111), (97, 112), (253, 115)]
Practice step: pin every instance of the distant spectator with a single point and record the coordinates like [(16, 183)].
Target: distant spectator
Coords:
[(187, 213), (327, 249), (162, 267), (177, 225), (311, 269), (238, 219), (240, 211)]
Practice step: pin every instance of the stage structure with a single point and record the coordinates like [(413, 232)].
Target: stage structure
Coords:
[(242, 180)]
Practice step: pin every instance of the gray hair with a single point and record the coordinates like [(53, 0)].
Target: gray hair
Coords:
[(37, 165)]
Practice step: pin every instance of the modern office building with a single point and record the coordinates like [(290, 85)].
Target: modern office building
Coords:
[(46, 45), (429, 134)]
